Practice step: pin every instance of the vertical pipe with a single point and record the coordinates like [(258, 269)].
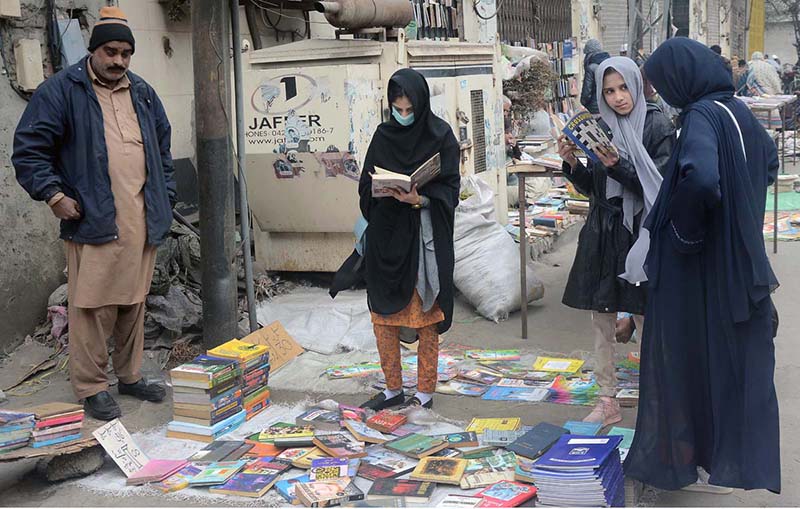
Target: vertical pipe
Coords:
[(244, 208), (210, 43), (523, 257)]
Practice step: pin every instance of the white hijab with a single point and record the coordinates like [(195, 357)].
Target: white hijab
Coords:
[(628, 132)]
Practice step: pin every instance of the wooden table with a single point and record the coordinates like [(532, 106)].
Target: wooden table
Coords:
[(523, 171), (768, 106)]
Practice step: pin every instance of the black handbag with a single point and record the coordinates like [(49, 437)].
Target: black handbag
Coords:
[(349, 275)]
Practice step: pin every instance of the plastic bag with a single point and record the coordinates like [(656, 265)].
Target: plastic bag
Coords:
[(486, 257)]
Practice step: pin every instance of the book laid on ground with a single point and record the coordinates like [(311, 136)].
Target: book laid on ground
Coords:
[(493, 355), (328, 493), (536, 441), (219, 450), (352, 413), (416, 445), (56, 441), (383, 180), (328, 468), (12, 418), (530, 394), (479, 424), (254, 480), (217, 473), (502, 438), (179, 480), (587, 134), (507, 494), (416, 492), (340, 445), (627, 435), (576, 452), (386, 421), (364, 433), (380, 463), (320, 419), (583, 428), (557, 365), (259, 450), (204, 371), (460, 439), (155, 471), (478, 376), (628, 397), (484, 472), (460, 501), (305, 460), (210, 410), (440, 470), (286, 488), (202, 396), (229, 411), (288, 436)]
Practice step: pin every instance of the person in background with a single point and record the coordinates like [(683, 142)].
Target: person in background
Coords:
[(708, 412), (611, 245), (409, 256), (594, 55), (94, 144), (762, 78), (775, 62), (716, 48), (506, 107), (740, 78)]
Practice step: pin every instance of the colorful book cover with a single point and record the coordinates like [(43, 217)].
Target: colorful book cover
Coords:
[(352, 413), (328, 468), (412, 491), (524, 383), (381, 463), (320, 419), (627, 435), (533, 394), (581, 452), (406, 429), (364, 433), (15, 417), (281, 432), (416, 445), (217, 473), (340, 445), (479, 376), (328, 493), (286, 488), (587, 134), (461, 439), (507, 494), (239, 350), (493, 355), (178, 481), (479, 424), (461, 388), (56, 441), (557, 365), (204, 366), (353, 371), (212, 432), (486, 471), (255, 479), (583, 428), (306, 459), (155, 471), (440, 470), (386, 421)]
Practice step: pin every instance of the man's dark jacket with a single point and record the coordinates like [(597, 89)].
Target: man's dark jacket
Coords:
[(60, 145)]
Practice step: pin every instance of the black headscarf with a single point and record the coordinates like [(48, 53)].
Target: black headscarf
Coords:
[(392, 250)]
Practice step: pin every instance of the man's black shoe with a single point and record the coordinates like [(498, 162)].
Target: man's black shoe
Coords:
[(379, 401), (102, 406), (143, 391), (415, 402)]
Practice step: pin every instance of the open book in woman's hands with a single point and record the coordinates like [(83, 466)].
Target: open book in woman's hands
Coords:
[(383, 181)]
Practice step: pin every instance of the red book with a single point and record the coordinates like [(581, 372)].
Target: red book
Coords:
[(386, 421), (506, 494), (57, 421)]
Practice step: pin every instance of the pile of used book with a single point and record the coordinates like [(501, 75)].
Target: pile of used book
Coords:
[(40, 426), (329, 457), (218, 391)]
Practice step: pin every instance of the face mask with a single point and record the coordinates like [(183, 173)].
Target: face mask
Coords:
[(403, 121)]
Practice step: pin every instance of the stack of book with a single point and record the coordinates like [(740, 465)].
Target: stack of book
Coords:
[(254, 364), (15, 429), (56, 423), (581, 471), (207, 399)]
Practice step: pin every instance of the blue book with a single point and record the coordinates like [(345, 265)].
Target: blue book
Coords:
[(55, 441), (587, 134), (530, 394), (18, 427), (13, 417), (583, 428), (536, 441), (215, 431), (576, 452), (286, 488)]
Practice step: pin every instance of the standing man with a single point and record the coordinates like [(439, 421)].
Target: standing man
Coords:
[(94, 144)]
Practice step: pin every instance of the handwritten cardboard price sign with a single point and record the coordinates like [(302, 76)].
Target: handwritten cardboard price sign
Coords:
[(118, 443), (282, 348)]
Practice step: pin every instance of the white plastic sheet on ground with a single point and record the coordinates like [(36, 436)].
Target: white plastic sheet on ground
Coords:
[(487, 258), (321, 324)]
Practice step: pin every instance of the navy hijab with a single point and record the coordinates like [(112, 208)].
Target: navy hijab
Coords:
[(688, 75)]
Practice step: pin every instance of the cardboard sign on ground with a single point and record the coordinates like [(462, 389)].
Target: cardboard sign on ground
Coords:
[(118, 443), (282, 348)]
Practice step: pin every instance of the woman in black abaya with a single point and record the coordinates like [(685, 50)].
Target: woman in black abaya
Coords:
[(409, 241), (708, 413)]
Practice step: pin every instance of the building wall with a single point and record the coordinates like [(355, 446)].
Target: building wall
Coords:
[(31, 255), (778, 39)]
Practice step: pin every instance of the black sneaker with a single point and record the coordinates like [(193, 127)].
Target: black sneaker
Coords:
[(102, 406), (414, 401), (379, 401), (143, 391)]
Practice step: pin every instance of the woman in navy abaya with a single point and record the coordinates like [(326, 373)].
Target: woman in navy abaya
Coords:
[(708, 413)]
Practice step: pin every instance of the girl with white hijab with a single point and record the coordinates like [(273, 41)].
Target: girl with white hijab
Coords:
[(607, 276)]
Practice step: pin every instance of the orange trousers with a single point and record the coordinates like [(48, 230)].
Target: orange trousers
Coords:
[(428, 357)]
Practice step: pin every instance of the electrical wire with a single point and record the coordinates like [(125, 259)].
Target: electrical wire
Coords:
[(261, 4), (496, 9)]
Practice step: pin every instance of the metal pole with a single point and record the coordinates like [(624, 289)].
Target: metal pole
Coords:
[(210, 43), (244, 208), (523, 257)]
